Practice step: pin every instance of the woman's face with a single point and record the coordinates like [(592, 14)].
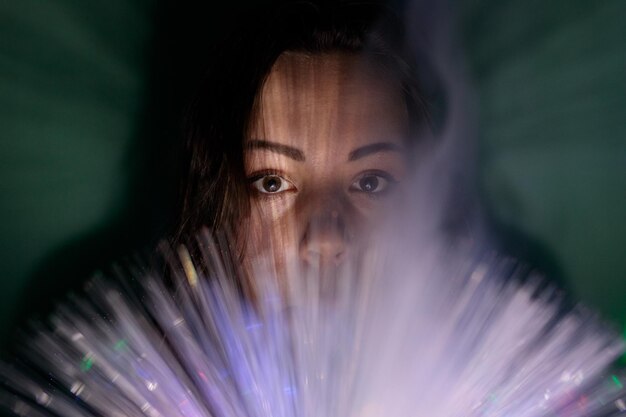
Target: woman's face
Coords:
[(325, 150)]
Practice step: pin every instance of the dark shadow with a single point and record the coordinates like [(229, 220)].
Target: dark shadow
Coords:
[(537, 256), (180, 52), (533, 251)]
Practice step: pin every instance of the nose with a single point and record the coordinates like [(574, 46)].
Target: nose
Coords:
[(324, 241)]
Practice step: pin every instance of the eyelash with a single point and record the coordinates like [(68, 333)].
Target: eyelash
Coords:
[(390, 179), (259, 175)]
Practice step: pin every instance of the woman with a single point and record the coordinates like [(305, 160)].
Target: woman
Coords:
[(301, 131)]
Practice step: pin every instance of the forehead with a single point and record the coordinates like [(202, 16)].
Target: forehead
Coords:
[(331, 100)]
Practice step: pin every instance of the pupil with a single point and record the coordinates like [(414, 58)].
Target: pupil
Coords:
[(368, 183), (271, 184)]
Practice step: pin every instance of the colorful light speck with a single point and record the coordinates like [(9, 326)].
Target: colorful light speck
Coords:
[(121, 344), (87, 363), (617, 381)]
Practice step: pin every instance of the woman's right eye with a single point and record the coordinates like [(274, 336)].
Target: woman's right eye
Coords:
[(271, 184)]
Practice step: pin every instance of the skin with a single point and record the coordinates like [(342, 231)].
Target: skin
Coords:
[(324, 152)]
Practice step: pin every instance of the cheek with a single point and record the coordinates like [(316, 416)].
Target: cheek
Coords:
[(368, 209), (373, 210), (275, 208), (272, 230)]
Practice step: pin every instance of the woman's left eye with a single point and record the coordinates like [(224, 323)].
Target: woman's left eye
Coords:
[(271, 184), (373, 183)]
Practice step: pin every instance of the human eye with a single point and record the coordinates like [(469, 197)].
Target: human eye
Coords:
[(270, 183), (373, 183)]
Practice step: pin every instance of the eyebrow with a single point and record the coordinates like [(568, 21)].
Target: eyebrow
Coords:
[(289, 151), (373, 148)]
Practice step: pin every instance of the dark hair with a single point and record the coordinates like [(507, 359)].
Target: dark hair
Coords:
[(214, 190)]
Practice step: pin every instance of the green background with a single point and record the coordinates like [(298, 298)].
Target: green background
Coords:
[(551, 79), (90, 98)]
